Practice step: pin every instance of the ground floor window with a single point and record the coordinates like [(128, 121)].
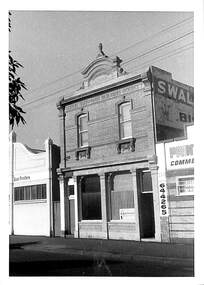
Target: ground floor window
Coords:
[(31, 192), (185, 185), (121, 196), (91, 198)]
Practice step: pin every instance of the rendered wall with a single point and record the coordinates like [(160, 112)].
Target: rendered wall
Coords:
[(31, 219)]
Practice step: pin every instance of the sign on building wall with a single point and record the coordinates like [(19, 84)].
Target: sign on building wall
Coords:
[(127, 214), (179, 155), (163, 198), (163, 194), (173, 100)]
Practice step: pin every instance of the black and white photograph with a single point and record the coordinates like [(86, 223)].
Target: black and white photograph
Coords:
[(101, 143)]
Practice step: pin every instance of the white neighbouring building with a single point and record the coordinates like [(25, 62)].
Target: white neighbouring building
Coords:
[(33, 188), (176, 184)]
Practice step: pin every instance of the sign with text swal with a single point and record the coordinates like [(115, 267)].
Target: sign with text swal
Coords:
[(174, 101)]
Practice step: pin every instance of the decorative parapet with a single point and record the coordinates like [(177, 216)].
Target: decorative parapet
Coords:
[(102, 69)]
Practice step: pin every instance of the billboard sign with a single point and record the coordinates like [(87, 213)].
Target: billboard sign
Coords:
[(179, 155), (173, 100)]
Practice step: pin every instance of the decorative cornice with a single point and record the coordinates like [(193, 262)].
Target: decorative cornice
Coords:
[(82, 94)]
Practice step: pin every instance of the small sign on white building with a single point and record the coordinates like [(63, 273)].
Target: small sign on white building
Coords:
[(127, 214)]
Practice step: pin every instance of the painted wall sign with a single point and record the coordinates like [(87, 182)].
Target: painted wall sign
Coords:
[(174, 101), (21, 178), (179, 155), (127, 214), (105, 96), (173, 91)]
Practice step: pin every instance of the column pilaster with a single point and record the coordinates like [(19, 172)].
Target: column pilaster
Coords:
[(103, 205), (135, 190), (76, 209), (155, 187), (62, 205), (62, 116)]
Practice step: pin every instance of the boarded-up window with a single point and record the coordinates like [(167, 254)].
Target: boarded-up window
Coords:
[(91, 198), (122, 195)]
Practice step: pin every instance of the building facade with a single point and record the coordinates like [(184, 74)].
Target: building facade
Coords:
[(108, 132), (176, 184), (34, 189)]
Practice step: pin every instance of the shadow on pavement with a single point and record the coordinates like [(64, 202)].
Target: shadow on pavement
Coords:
[(63, 268), (20, 245)]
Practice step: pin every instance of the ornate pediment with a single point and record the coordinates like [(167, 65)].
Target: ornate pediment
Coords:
[(102, 69)]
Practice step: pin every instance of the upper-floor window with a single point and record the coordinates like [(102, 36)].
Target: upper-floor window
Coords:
[(185, 185), (82, 131), (125, 120)]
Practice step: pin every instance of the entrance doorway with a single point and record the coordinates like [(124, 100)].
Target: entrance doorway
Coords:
[(146, 206), (71, 207)]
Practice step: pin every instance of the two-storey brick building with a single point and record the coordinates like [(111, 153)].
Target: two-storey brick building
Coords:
[(109, 128)]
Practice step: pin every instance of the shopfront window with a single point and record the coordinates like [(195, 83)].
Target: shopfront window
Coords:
[(91, 198), (125, 120), (82, 131), (185, 185), (122, 197), (31, 192)]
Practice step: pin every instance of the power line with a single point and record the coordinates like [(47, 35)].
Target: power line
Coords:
[(143, 64), (152, 36), (54, 81), (120, 51), (51, 94), (158, 47), (155, 59)]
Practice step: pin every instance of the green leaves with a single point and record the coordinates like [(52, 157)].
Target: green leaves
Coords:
[(15, 88)]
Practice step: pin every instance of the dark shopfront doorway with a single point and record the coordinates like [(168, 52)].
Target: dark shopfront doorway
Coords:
[(146, 206), (70, 201)]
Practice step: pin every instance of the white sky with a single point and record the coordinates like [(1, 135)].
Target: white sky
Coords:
[(53, 44)]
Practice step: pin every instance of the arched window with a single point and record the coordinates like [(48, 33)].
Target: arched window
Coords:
[(82, 130), (125, 126)]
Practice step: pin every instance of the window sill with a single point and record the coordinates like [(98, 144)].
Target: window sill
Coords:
[(121, 221), (83, 152), (183, 195), (90, 221), (126, 145), (30, 201)]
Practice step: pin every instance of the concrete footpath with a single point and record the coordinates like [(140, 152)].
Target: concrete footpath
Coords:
[(114, 249)]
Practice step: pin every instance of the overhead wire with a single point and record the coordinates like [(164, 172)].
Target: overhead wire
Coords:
[(172, 53), (156, 48), (120, 51), (152, 36), (126, 62), (162, 57)]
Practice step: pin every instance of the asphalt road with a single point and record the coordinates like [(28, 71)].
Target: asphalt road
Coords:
[(26, 262)]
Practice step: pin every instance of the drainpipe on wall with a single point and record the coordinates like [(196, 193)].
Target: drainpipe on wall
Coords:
[(48, 146)]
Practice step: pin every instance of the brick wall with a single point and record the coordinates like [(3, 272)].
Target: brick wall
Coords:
[(103, 126)]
